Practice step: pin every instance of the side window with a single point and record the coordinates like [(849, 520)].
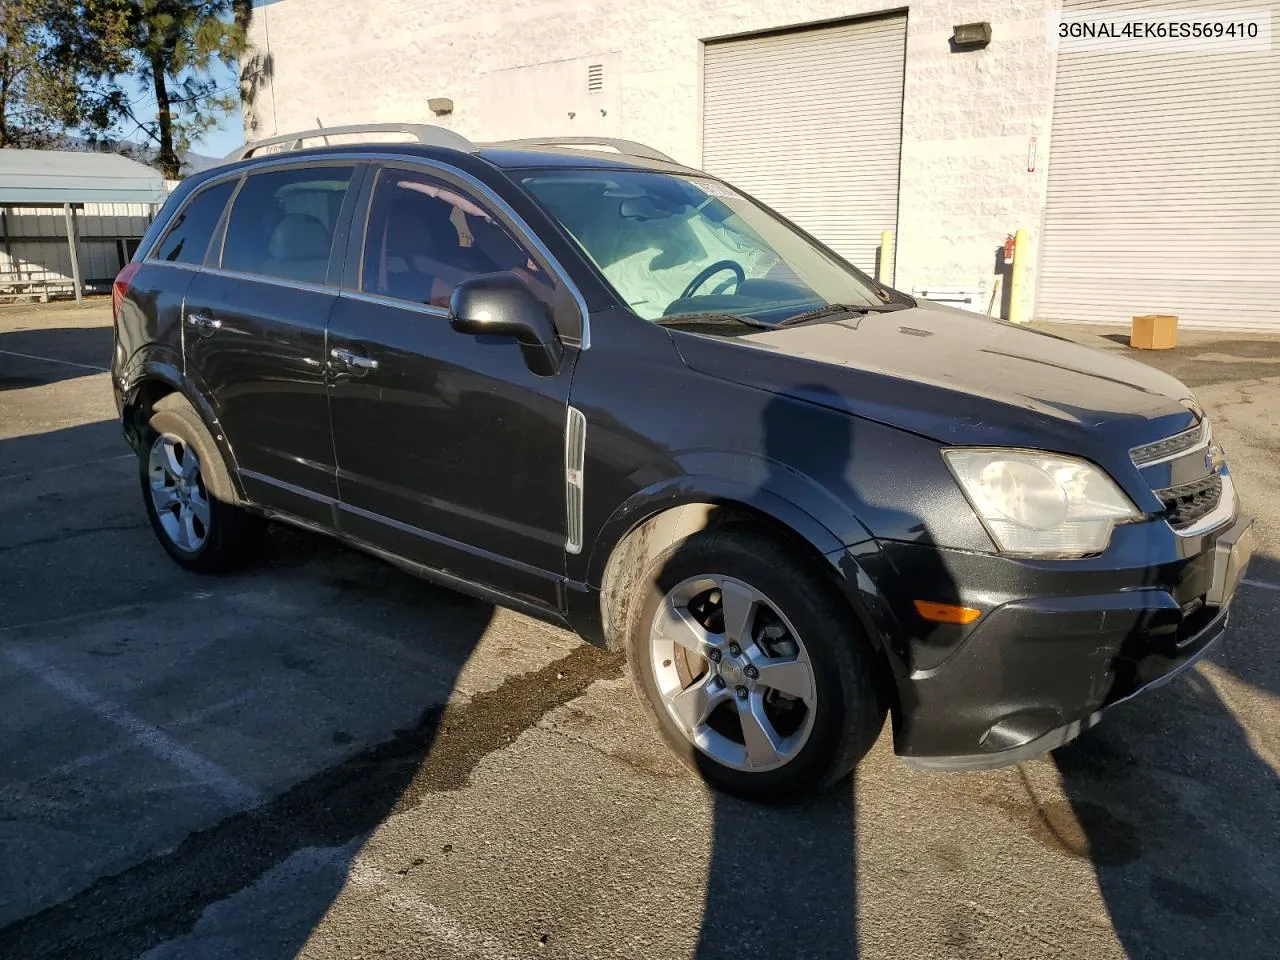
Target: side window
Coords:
[(283, 221), (187, 239), (425, 236)]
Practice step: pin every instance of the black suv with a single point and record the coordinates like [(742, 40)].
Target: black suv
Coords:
[(618, 394)]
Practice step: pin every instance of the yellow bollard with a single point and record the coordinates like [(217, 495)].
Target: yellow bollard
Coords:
[(1017, 308), (884, 272)]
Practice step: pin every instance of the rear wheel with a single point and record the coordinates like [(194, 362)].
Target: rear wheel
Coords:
[(188, 494), (752, 667)]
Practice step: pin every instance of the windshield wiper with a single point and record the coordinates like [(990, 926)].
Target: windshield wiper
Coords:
[(703, 319), (830, 310), (839, 309)]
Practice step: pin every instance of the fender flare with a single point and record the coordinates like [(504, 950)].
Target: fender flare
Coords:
[(161, 364), (682, 491), (826, 522), (847, 565)]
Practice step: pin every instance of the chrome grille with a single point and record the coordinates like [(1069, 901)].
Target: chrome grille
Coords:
[(1171, 447), (1188, 502)]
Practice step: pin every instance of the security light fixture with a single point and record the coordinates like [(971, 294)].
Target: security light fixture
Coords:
[(970, 36), (440, 105)]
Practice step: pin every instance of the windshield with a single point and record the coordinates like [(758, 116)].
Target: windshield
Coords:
[(676, 245)]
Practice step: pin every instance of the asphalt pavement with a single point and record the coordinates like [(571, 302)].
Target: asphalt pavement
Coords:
[(322, 756)]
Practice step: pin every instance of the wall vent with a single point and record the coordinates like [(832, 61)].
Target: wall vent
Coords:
[(595, 78)]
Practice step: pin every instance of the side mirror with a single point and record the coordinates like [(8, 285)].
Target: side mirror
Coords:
[(500, 305)]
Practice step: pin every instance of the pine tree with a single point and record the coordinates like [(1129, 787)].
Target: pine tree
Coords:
[(39, 92), (168, 46)]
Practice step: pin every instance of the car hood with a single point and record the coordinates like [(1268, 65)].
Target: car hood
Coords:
[(957, 377)]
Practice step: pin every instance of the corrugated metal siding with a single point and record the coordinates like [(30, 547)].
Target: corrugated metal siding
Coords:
[(100, 260), (810, 122), (1164, 184), (33, 240), (92, 220)]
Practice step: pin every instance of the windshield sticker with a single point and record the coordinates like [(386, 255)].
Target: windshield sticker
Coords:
[(711, 188)]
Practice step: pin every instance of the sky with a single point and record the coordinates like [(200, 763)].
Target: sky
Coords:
[(215, 143)]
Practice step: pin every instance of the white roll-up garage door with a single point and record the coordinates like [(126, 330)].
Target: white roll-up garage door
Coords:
[(810, 122), (1164, 184)]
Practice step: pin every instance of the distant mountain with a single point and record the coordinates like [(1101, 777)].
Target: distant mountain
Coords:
[(198, 163), (191, 162)]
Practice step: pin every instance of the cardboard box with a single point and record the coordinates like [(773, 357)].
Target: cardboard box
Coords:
[(1155, 331)]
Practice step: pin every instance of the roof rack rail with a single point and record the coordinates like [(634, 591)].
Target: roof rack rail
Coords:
[(424, 133), (629, 147)]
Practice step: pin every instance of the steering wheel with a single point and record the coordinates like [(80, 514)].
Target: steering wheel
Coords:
[(706, 274)]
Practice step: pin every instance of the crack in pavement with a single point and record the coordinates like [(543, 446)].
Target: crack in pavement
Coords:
[(162, 898)]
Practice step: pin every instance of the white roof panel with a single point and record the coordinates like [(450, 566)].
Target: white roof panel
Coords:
[(53, 177)]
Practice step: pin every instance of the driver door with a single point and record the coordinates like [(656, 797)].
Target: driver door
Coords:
[(449, 449)]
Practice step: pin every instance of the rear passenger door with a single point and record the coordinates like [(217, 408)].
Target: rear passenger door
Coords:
[(254, 330), (449, 449), (157, 290)]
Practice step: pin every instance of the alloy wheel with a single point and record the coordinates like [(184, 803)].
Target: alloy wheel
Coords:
[(178, 492), (733, 673)]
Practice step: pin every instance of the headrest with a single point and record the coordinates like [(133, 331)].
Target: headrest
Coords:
[(299, 236)]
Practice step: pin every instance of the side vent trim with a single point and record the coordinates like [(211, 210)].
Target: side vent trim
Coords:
[(575, 452)]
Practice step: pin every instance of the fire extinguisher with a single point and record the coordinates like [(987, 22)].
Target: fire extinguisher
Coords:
[(1008, 250)]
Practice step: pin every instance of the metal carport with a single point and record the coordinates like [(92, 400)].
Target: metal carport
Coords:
[(57, 178)]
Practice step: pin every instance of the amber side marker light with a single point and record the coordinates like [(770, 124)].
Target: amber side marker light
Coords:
[(946, 612)]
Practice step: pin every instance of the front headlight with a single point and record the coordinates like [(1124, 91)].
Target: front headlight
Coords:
[(1040, 504)]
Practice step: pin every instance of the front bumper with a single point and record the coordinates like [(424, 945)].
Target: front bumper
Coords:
[(1059, 642)]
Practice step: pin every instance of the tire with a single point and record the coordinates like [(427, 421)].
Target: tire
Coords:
[(832, 733), (192, 504)]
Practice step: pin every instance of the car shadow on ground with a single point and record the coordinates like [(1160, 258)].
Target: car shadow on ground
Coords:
[(782, 881), (1181, 833), (85, 443), (165, 895), (30, 358), (1176, 809), (1169, 801), (314, 828)]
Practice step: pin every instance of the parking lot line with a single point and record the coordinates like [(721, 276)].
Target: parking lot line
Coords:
[(187, 719), (69, 363), (69, 618), (435, 921), (146, 736), (1261, 583), (66, 466)]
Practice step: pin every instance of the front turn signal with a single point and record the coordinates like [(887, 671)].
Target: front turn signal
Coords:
[(946, 612)]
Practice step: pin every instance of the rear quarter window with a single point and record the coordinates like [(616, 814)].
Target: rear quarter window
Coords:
[(187, 239)]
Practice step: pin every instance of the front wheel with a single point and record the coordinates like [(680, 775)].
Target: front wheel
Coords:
[(752, 667)]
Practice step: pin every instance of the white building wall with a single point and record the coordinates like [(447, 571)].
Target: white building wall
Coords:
[(517, 68)]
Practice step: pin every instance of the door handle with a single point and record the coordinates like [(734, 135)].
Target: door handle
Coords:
[(203, 322), (353, 360)]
